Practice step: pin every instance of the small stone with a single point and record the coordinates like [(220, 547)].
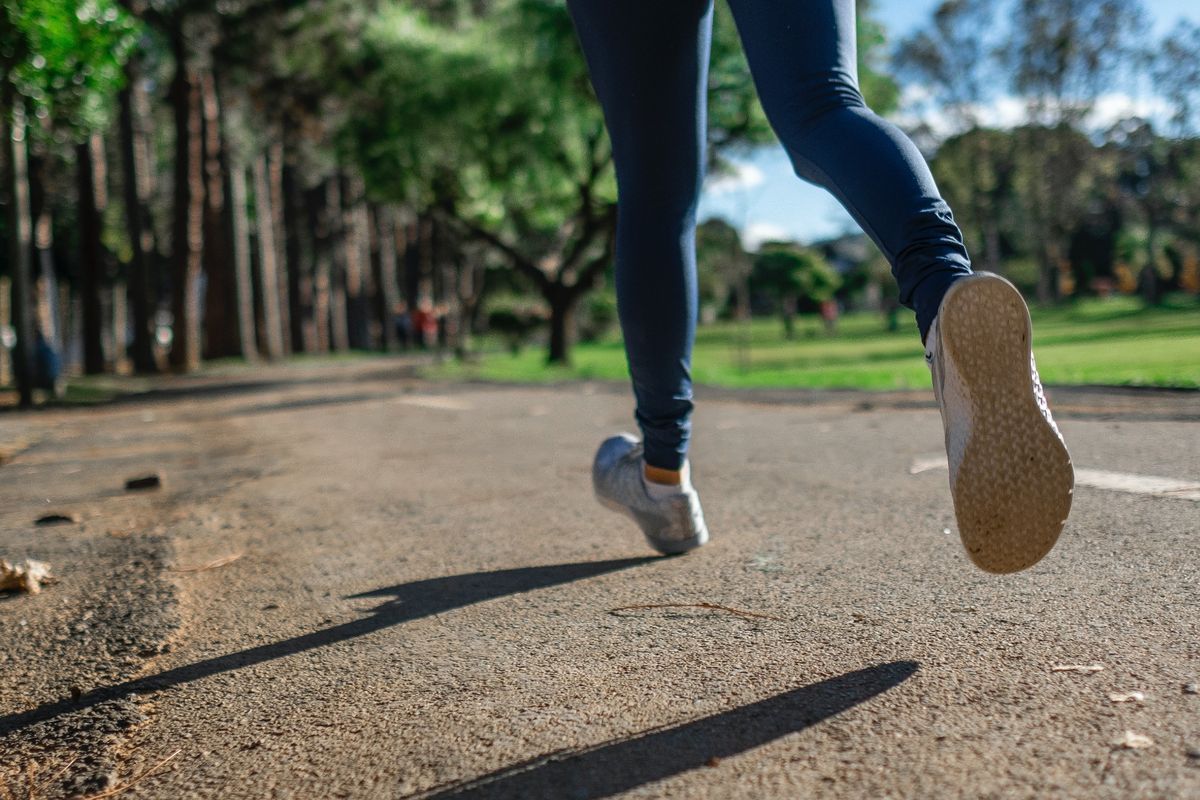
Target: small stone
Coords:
[(57, 519), (151, 481), (1191, 688)]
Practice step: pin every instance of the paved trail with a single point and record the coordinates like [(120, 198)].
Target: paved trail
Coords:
[(426, 601)]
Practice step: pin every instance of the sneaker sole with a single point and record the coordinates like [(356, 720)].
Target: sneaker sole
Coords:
[(1012, 492), (667, 548)]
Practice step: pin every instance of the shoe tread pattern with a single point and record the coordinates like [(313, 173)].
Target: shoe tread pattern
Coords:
[(1013, 488)]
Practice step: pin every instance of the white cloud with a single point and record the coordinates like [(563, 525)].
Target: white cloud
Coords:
[(1010, 111), (755, 233), (743, 176), (1111, 108)]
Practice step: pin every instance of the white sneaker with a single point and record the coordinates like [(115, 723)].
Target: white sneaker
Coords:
[(1010, 472), (673, 524)]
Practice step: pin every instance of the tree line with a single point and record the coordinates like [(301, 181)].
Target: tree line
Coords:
[(1064, 195), (198, 179)]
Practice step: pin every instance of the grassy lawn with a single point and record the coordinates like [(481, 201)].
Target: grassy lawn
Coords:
[(1115, 342)]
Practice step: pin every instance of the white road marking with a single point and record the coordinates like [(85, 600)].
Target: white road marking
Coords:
[(1100, 479), (438, 402), (928, 463)]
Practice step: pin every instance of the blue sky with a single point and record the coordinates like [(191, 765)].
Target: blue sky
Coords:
[(766, 200)]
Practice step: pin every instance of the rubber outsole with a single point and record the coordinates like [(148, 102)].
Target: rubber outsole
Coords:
[(1013, 487), (665, 547)]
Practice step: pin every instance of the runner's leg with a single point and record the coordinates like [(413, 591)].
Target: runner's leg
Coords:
[(804, 60), (649, 64)]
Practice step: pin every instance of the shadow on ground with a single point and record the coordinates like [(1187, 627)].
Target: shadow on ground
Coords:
[(407, 602), (618, 766)]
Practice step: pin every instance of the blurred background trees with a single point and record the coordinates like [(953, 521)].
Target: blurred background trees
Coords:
[(192, 179)]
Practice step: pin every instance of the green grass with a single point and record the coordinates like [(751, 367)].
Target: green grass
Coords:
[(1112, 342)]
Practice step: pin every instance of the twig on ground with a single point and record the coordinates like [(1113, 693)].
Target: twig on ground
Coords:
[(708, 606), (216, 563), (116, 790)]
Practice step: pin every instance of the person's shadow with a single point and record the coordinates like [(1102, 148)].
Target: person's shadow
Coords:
[(406, 602), (622, 764)]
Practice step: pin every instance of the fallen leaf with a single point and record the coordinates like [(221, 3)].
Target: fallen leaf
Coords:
[(1084, 669), (1126, 697), (1133, 741), (26, 576)]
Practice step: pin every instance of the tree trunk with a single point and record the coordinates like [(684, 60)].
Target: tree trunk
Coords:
[(386, 289), (188, 224), (89, 163), (239, 226), (299, 272), (220, 328), (356, 242), (220, 309), (562, 325), (339, 332), (1149, 277), (135, 160), (788, 309), (118, 319), (267, 261), (316, 200), (20, 228), (6, 296), (282, 265), (46, 320)]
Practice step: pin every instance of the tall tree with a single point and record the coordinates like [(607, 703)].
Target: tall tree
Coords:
[(493, 127), (20, 226), (268, 261), (952, 59), (93, 200), (187, 229), (63, 62), (792, 274), (1176, 73), (138, 175), (1062, 54)]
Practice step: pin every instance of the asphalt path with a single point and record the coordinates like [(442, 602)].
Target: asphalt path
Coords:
[(357, 584)]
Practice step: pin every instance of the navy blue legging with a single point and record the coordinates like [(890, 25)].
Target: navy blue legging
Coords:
[(649, 64)]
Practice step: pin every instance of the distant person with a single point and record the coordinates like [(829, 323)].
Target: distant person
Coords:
[(425, 324), (1010, 473), (404, 326), (829, 315)]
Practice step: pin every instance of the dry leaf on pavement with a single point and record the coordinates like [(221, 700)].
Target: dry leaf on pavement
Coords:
[(1133, 741), (25, 576), (1126, 697)]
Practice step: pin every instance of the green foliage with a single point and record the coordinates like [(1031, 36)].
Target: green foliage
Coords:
[(1116, 341), (494, 117), (735, 116), (786, 269), (597, 316), (65, 57), (880, 90), (721, 261)]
